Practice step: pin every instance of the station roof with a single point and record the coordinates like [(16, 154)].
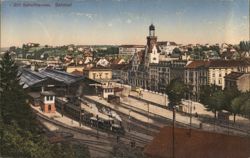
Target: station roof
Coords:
[(30, 78), (61, 76)]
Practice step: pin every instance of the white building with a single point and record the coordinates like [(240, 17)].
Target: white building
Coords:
[(167, 47), (102, 62)]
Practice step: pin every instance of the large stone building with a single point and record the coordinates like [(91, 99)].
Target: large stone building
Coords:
[(212, 72), (162, 73), (139, 74), (238, 80), (218, 69), (149, 72), (104, 77), (196, 76)]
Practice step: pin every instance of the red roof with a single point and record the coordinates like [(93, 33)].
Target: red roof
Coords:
[(197, 64), (226, 63), (217, 63), (76, 72), (197, 144)]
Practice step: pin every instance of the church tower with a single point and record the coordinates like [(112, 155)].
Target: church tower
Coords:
[(151, 52)]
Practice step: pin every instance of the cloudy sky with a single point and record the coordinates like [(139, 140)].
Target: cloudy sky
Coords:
[(123, 21)]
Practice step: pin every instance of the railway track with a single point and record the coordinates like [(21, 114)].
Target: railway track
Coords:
[(101, 136)]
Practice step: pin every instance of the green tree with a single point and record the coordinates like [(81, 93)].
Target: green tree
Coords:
[(176, 90), (245, 108), (236, 104), (230, 94), (14, 105), (216, 102), (206, 93)]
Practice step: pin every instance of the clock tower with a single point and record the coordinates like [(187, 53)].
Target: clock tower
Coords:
[(151, 52)]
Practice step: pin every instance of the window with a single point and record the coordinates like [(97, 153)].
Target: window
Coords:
[(106, 75), (49, 107), (49, 98), (213, 75), (94, 75), (219, 81)]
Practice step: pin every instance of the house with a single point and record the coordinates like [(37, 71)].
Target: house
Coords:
[(72, 67), (239, 80), (167, 47), (102, 75), (162, 73), (102, 62), (48, 102), (115, 61), (218, 69), (196, 144), (117, 70), (196, 76)]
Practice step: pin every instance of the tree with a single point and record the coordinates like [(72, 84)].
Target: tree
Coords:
[(245, 108), (176, 90), (13, 98), (230, 94), (236, 104), (216, 102), (206, 93)]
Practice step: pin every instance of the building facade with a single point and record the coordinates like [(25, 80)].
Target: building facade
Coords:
[(238, 80)]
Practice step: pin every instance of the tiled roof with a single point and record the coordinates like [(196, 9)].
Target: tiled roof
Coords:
[(217, 63), (197, 144), (197, 64), (76, 72), (226, 63), (234, 75), (115, 61), (118, 66)]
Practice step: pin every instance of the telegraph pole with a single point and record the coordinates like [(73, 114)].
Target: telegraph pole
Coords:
[(148, 118), (129, 120), (80, 120), (173, 145), (97, 132)]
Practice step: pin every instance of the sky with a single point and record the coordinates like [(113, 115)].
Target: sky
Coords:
[(85, 22)]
